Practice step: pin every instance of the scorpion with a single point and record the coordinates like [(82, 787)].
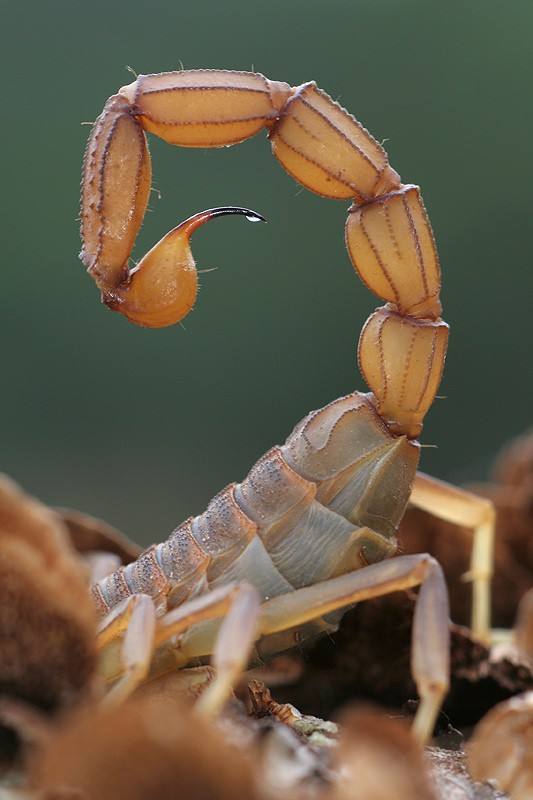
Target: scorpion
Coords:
[(276, 560)]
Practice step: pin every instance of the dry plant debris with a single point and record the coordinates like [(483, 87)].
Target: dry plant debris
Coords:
[(143, 750), (158, 748), (47, 621)]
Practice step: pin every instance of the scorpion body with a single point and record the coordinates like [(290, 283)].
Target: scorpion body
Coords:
[(327, 502), (311, 524)]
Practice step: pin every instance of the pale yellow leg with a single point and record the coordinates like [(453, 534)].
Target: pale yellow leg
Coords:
[(430, 644), (136, 619), (468, 510), (128, 661), (233, 647), (230, 641)]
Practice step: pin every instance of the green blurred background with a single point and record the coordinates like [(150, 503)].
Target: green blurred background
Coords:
[(142, 427)]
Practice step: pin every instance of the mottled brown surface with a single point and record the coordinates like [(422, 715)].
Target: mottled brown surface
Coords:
[(142, 751), (47, 621)]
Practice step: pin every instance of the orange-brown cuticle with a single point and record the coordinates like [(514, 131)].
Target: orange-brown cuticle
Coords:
[(391, 246), (401, 359)]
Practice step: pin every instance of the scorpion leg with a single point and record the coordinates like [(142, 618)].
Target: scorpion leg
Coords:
[(232, 649), (135, 620), (464, 508), (430, 642), (229, 642), (131, 633)]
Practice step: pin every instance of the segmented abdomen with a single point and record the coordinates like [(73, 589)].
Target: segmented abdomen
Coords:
[(325, 503)]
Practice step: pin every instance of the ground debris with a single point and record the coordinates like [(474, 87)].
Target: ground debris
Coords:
[(141, 750), (367, 741), (452, 780), (47, 619), (369, 659), (313, 730)]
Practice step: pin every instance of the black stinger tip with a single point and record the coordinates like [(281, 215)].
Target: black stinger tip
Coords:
[(251, 216)]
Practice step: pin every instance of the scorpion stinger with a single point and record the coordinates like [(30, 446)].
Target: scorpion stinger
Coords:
[(311, 521), (116, 182), (162, 288)]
